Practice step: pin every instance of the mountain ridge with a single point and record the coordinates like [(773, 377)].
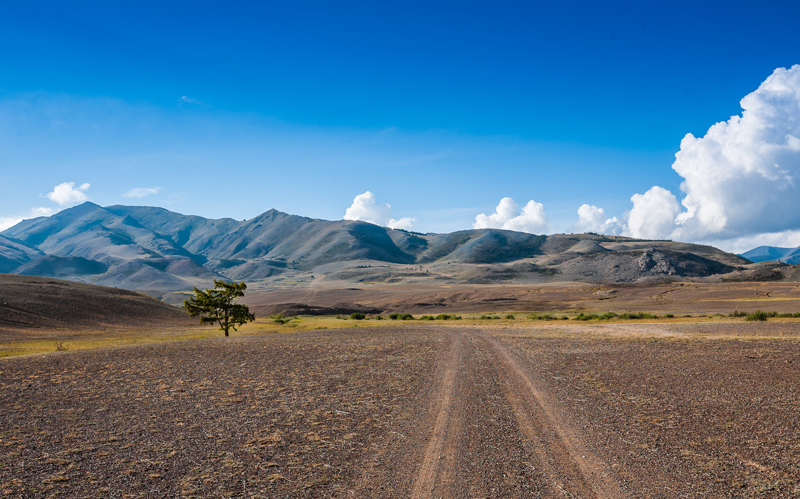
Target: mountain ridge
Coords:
[(157, 250)]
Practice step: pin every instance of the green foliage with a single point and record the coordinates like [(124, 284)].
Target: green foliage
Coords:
[(738, 313), (397, 316), (216, 305), (440, 317), (509, 316), (546, 317), (669, 316), (488, 317), (358, 316), (758, 315), (607, 315), (394, 316), (586, 317), (639, 315), (379, 317)]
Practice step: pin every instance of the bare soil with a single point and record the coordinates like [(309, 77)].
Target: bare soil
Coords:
[(683, 410), (434, 298), (29, 303)]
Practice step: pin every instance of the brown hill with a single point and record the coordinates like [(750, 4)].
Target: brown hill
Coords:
[(46, 303)]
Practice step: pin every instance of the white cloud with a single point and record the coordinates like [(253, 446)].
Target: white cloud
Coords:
[(593, 219), (66, 193), (740, 178), (653, 214), (531, 218), (365, 209), (140, 192), (8, 222), (188, 100), (786, 239)]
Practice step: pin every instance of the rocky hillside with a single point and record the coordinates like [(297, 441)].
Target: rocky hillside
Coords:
[(153, 249)]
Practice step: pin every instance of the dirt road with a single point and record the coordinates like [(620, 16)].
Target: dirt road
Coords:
[(419, 412)]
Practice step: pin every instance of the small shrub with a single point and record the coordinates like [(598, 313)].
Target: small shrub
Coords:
[(406, 317), (427, 318), (639, 315), (786, 314), (668, 316), (738, 313), (60, 347), (586, 317), (510, 316), (608, 315), (758, 315), (357, 316), (797, 314), (448, 317), (394, 316), (378, 317)]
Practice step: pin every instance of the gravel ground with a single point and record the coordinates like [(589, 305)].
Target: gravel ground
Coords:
[(686, 411)]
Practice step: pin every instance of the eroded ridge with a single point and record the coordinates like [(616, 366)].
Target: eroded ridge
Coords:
[(574, 471), (439, 457)]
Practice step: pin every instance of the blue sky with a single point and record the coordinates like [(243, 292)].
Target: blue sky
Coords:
[(440, 109)]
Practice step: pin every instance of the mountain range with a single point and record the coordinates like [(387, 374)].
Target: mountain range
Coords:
[(156, 250), (772, 253)]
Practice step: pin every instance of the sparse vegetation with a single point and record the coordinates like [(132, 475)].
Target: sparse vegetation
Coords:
[(358, 316), (637, 315), (510, 316), (279, 319), (758, 315), (397, 316), (546, 317), (60, 347), (586, 317), (440, 317)]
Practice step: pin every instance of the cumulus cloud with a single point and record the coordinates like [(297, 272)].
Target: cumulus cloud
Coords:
[(508, 215), (66, 193), (653, 214), (365, 208), (140, 192), (593, 219), (740, 178)]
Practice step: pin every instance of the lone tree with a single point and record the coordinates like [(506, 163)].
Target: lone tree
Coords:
[(216, 305)]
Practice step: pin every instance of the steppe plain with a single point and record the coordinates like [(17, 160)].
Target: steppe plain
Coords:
[(696, 405)]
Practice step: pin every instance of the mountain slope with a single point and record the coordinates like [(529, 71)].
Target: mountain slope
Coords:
[(154, 249), (14, 253)]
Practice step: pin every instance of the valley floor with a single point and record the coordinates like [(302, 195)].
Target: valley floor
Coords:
[(556, 410)]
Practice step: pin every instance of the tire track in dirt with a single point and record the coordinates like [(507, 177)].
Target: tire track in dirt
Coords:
[(438, 463), (574, 471)]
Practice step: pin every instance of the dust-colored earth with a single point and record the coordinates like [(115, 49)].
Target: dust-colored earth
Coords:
[(528, 410), (29, 304), (424, 297)]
